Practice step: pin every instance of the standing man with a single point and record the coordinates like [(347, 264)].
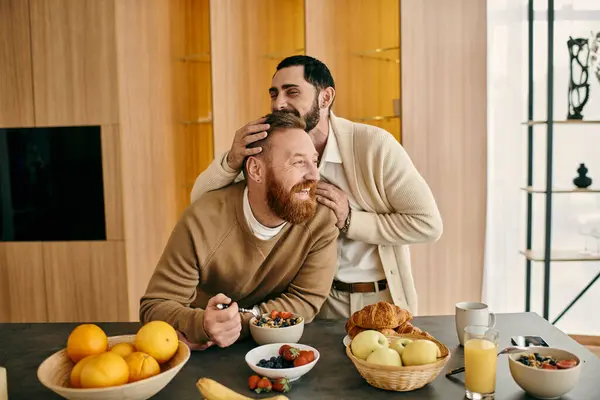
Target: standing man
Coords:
[(381, 202)]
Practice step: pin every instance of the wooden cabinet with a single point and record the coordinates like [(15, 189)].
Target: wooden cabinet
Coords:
[(359, 40), (74, 62), (22, 283), (16, 90), (86, 281)]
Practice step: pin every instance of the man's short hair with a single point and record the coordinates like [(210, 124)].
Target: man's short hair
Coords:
[(315, 72), (277, 120)]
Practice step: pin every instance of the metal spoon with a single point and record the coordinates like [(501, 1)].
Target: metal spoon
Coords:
[(508, 350), (244, 310)]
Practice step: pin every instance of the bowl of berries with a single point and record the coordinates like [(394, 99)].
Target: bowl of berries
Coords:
[(545, 372), (277, 327), (282, 360)]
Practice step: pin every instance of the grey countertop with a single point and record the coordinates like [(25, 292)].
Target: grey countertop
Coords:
[(24, 346)]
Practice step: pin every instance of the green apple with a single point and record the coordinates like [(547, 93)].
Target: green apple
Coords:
[(385, 356), (399, 344), (419, 352), (367, 342)]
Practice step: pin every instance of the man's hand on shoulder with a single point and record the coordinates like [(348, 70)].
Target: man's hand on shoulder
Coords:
[(334, 198), (223, 327)]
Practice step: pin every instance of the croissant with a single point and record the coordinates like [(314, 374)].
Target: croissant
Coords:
[(380, 315), (353, 330), (410, 328)]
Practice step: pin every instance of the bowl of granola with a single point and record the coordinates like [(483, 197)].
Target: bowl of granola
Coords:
[(545, 372), (277, 327)]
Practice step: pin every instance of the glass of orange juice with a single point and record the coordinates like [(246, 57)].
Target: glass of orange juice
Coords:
[(481, 353)]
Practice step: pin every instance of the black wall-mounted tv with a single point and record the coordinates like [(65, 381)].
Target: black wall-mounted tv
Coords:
[(51, 186)]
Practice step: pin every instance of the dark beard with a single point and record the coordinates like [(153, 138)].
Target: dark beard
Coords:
[(286, 206), (312, 117)]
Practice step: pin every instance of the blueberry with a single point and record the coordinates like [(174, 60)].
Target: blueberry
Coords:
[(277, 319), (273, 359), (270, 364), (284, 325)]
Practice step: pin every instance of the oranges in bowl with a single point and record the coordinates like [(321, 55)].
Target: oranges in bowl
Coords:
[(94, 365)]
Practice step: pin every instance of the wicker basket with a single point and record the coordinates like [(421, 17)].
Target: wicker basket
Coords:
[(401, 379)]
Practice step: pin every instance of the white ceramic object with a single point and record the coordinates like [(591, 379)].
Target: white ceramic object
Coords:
[(289, 334), (272, 350), (472, 314), (54, 373), (545, 383), (346, 340)]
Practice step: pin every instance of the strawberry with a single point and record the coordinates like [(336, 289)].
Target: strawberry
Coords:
[(308, 354), (566, 364), (253, 381), (299, 361), (282, 385), (290, 354), (274, 314), (285, 314), (549, 366), (283, 348), (263, 385)]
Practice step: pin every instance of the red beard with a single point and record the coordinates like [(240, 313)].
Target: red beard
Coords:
[(285, 205)]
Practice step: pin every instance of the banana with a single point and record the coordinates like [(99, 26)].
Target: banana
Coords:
[(213, 390)]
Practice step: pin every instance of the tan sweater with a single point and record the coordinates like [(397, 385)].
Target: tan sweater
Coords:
[(212, 250), (400, 209)]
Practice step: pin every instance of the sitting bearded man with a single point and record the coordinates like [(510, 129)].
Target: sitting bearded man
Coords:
[(263, 244)]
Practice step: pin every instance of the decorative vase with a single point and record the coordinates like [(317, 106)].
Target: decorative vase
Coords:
[(582, 181), (579, 89)]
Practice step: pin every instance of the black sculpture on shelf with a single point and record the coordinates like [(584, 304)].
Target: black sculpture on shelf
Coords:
[(582, 181), (579, 55)]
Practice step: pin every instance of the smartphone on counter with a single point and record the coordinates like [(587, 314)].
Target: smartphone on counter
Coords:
[(526, 341)]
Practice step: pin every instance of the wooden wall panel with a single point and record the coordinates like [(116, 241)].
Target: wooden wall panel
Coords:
[(147, 125), (111, 175), (192, 96), (359, 40), (22, 283), (248, 40), (74, 67), (444, 132), (16, 88), (86, 281)]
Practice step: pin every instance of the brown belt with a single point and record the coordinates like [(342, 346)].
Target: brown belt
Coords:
[(360, 287)]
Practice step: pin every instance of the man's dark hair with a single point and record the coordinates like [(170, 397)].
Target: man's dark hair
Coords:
[(277, 120), (315, 72)]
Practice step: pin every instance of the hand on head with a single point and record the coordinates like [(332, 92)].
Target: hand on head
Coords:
[(222, 326), (249, 133)]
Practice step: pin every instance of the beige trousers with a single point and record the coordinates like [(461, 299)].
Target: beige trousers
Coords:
[(341, 305)]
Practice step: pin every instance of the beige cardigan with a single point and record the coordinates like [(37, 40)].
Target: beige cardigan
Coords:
[(399, 206)]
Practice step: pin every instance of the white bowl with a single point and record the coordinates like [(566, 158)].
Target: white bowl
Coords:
[(289, 334), (54, 373), (545, 383), (272, 350)]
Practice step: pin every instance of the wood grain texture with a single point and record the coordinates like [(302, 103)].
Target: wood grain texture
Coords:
[(16, 87), (111, 176), (147, 126), (192, 96), (86, 281), (22, 287), (248, 40), (345, 34), (74, 65), (444, 132)]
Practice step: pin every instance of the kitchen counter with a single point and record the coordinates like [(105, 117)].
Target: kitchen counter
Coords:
[(24, 346)]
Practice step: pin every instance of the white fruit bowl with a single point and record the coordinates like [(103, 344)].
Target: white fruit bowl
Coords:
[(54, 373), (289, 334), (272, 350), (545, 383)]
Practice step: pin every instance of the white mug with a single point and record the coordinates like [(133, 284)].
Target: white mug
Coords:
[(471, 313)]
